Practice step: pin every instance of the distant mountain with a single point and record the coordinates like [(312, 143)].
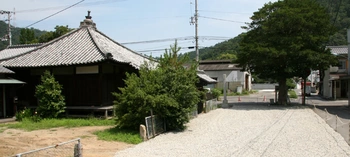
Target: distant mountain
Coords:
[(213, 52), (15, 31), (340, 17)]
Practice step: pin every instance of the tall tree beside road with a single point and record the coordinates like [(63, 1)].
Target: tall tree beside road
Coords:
[(286, 39)]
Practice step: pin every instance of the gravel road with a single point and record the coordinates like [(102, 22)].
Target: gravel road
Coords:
[(248, 130)]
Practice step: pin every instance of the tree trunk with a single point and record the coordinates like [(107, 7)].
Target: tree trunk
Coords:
[(283, 92)]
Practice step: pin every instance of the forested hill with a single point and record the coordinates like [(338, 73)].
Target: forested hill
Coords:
[(339, 11), (224, 50), (15, 34)]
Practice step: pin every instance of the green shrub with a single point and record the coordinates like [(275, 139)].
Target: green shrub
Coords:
[(290, 84), (26, 113), (169, 91), (49, 93), (292, 94), (216, 93)]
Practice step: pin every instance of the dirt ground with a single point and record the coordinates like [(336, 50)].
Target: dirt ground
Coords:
[(13, 141)]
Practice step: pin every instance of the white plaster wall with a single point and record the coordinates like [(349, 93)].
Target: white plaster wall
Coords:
[(327, 86)]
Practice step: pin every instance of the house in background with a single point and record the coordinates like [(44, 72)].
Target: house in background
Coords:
[(334, 85), (235, 78), (87, 63)]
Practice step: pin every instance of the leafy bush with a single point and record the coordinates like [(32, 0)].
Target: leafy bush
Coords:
[(50, 99), (26, 113), (216, 93), (290, 84), (169, 91), (292, 94)]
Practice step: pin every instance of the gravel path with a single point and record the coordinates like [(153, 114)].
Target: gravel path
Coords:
[(248, 130)]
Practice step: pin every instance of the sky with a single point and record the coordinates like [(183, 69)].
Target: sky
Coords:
[(128, 21)]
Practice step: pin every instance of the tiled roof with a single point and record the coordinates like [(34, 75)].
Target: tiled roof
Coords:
[(81, 46), (4, 70), (205, 77), (218, 67), (338, 50), (214, 61), (16, 50)]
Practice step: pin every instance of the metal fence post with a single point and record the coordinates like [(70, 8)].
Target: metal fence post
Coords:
[(78, 150)]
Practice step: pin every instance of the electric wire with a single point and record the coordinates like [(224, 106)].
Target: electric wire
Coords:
[(55, 13), (224, 12), (214, 18), (179, 38), (60, 7)]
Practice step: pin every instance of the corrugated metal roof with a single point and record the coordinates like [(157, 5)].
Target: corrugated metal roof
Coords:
[(81, 46), (4, 70), (218, 67), (16, 50), (10, 81), (215, 61), (338, 50), (206, 78)]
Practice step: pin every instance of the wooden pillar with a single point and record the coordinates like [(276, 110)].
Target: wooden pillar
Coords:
[(100, 87), (4, 100)]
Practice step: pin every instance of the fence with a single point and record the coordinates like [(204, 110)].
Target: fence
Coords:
[(339, 125), (154, 126), (193, 113), (65, 149), (210, 105)]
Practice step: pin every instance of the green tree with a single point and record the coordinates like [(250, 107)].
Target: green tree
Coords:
[(51, 102), (286, 39), (168, 90), (227, 56), (59, 31), (27, 36)]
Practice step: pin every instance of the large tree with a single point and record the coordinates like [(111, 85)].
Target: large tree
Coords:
[(286, 39)]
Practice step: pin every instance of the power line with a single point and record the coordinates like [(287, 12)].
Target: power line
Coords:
[(55, 14), (214, 18), (59, 7), (224, 12), (158, 40), (179, 38), (147, 18)]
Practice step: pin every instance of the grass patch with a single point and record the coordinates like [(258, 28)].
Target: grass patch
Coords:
[(29, 125), (116, 134), (2, 129), (292, 94)]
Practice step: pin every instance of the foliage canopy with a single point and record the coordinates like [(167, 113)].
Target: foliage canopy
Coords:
[(286, 39), (169, 91)]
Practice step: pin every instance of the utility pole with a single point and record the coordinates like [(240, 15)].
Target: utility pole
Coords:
[(348, 94), (9, 35), (196, 30), (194, 20)]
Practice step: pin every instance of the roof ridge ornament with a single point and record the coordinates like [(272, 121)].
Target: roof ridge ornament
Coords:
[(88, 16), (88, 22)]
